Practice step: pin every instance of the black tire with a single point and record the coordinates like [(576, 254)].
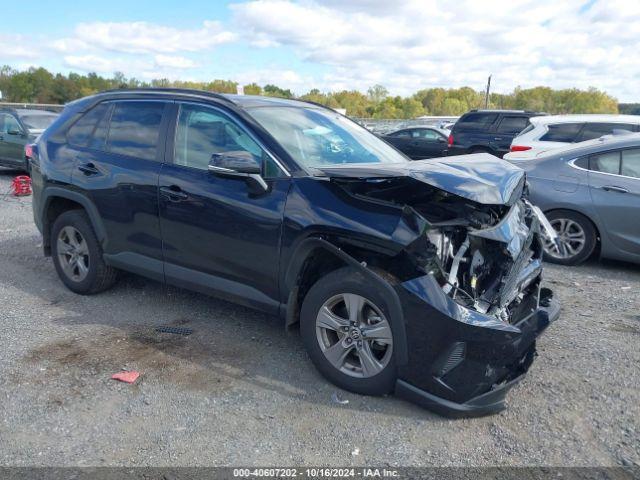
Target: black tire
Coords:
[(590, 233), (99, 276), (341, 281)]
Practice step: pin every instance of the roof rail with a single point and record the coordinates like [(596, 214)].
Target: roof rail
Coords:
[(189, 91)]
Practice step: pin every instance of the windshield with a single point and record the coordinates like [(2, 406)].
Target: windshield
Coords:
[(317, 137), (38, 122)]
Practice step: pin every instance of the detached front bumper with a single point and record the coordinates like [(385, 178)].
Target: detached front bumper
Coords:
[(462, 363)]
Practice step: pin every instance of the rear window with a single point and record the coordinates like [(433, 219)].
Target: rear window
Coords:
[(527, 129), (478, 121), (38, 122), (81, 131), (562, 132), (512, 124), (597, 130), (135, 128)]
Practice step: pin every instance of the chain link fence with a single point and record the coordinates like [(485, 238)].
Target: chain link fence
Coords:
[(382, 126)]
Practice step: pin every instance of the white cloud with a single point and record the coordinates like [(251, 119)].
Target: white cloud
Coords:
[(420, 43), (174, 61), (105, 65), (144, 37), (17, 47)]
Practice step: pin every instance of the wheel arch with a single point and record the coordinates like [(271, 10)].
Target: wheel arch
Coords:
[(314, 258), (58, 201)]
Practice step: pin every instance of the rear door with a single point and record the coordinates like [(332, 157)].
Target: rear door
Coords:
[(614, 180), (507, 128), (401, 140), (218, 235), (119, 150)]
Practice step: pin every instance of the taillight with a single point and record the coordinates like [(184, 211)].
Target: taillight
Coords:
[(519, 148), (28, 150), (450, 140)]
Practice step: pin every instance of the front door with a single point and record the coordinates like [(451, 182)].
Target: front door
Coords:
[(614, 181), (427, 143), (12, 140), (219, 235)]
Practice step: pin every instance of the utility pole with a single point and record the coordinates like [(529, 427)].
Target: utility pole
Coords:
[(486, 96)]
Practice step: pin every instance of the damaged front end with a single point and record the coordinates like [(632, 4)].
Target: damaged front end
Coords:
[(470, 287)]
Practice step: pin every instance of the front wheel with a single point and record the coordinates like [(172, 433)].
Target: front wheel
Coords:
[(346, 329)]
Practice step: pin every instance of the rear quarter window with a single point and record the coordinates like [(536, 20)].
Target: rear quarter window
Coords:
[(562, 132), (82, 130)]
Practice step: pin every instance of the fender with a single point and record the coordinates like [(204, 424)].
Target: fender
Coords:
[(51, 193), (301, 254)]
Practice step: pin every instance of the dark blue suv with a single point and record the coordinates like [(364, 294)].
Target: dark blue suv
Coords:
[(421, 278), (487, 131)]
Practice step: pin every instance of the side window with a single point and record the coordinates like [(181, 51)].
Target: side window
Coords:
[(202, 132), (402, 134), (135, 128), (511, 125), (427, 134), (80, 132), (631, 163), (608, 162), (562, 132), (597, 130), (476, 121)]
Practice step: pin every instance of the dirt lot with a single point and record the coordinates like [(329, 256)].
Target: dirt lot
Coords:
[(240, 390)]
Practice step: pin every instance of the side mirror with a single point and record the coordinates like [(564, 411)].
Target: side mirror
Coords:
[(241, 164), (15, 132)]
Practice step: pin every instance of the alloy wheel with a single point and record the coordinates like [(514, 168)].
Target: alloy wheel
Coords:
[(73, 253), (354, 335), (570, 242)]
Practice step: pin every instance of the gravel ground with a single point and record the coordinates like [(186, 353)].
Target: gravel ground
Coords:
[(241, 391)]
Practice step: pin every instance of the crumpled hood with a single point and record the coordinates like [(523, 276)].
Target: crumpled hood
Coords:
[(480, 177)]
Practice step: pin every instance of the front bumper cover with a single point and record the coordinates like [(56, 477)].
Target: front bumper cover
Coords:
[(492, 356)]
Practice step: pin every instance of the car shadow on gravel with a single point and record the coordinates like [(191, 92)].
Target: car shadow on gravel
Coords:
[(231, 347)]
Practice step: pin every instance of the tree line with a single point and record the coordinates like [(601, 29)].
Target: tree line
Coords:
[(38, 85)]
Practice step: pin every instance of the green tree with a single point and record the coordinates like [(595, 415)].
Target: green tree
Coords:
[(377, 93)]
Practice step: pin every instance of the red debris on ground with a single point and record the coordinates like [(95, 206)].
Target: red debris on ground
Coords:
[(127, 376), (21, 186)]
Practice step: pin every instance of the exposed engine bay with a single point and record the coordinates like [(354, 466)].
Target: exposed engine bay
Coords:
[(486, 257)]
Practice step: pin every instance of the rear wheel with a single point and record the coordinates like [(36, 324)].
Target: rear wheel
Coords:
[(576, 238), (77, 255), (346, 329)]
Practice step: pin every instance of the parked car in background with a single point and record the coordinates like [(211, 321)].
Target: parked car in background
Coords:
[(401, 273), (419, 142), (489, 131), (590, 192), (555, 131), (19, 127)]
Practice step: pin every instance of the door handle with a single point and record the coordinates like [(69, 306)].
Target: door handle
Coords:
[(497, 138), (174, 193), (89, 169), (614, 188)]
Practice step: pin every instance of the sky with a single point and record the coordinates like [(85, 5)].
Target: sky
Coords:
[(336, 44)]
